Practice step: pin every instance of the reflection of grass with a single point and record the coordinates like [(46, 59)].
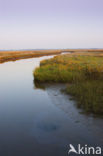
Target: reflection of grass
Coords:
[(38, 85), (84, 75)]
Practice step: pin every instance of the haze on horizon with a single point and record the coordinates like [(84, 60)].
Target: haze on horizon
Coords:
[(51, 24)]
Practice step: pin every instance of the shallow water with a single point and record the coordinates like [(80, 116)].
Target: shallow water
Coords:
[(36, 122)]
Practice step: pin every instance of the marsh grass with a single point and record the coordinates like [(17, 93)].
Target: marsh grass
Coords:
[(84, 74), (23, 54), (70, 69), (88, 94)]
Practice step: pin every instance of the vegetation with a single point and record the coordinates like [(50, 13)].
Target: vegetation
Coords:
[(89, 95), (22, 54), (84, 75)]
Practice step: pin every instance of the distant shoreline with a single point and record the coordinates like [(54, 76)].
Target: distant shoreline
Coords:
[(13, 55)]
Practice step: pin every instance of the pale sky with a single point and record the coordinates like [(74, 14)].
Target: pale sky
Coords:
[(45, 24)]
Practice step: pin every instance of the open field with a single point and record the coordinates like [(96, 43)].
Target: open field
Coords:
[(15, 55), (83, 72)]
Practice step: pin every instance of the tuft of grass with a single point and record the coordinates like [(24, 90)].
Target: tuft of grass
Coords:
[(84, 75)]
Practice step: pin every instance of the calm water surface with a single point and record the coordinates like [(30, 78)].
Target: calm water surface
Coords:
[(36, 122)]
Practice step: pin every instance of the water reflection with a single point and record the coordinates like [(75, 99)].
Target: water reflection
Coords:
[(38, 85)]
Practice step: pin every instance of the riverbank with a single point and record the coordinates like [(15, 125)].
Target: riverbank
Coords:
[(84, 75), (23, 54)]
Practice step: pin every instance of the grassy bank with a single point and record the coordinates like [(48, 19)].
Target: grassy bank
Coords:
[(84, 75)]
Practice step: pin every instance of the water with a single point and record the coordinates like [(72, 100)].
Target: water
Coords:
[(36, 122)]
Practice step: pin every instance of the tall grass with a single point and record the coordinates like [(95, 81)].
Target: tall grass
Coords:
[(84, 75), (89, 95)]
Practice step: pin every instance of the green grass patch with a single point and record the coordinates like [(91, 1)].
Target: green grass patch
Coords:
[(84, 75)]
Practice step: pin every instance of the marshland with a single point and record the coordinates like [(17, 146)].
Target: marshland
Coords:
[(13, 55), (84, 75), (68, 109)]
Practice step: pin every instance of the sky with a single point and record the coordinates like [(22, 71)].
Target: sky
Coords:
[(51, 24)]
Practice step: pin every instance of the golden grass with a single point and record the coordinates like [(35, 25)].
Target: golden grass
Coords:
[(15, 55)]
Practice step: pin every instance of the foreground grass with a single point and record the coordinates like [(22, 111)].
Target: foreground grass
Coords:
[(84, 75), (89, 95)]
